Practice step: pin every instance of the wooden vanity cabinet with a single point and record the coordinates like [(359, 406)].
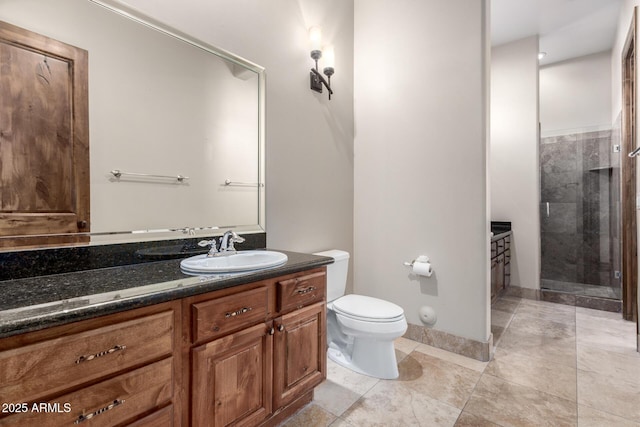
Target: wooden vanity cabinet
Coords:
[(500, 266), (265, 367), (113, 370), (246, 355), (232, 379), (300, 361)]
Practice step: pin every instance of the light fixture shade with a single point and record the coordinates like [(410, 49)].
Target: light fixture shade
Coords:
[(329, 57), (315, 37)]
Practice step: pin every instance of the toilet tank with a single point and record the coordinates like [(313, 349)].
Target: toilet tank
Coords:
[(336, 273)]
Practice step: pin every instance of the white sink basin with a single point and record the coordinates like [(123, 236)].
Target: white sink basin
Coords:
[(241, 261)]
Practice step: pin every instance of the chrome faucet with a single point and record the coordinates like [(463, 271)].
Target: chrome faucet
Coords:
[(227, 241), (226, 246)]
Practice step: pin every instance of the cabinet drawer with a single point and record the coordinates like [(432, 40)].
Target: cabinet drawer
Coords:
[(107, 403), (44, 368), (300, 291), (500, 246), (220, 316), (160, 418)]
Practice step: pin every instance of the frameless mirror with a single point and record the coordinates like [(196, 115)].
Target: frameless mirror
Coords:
[(176, 126)]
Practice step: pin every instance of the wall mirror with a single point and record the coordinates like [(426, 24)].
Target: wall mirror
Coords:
[(176, 126)]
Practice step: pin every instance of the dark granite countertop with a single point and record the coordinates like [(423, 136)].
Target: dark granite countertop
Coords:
[(40, 302)]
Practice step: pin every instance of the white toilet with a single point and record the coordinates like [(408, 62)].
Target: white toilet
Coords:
[(360, 329)]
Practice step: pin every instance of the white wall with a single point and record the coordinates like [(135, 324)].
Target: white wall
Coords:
[(420, 158), (575, 95), (515, 193), (309, 138), (624, 22)]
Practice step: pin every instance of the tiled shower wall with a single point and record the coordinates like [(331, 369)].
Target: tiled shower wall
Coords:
[(580, 198)]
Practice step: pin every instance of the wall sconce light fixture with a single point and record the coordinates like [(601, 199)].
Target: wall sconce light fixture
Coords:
[(316, 78)]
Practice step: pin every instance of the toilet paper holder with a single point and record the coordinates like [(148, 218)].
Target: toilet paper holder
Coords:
[(421, 258), (421, 266)]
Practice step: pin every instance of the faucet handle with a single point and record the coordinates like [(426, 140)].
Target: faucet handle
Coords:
[(212, 243), (234, 239)]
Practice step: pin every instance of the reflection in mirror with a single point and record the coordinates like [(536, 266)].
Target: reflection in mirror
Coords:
[(175, 125)]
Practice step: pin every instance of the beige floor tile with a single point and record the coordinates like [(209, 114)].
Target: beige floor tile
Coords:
[(458, 359), (598, 313), (348, 379), (500, 318), (617, 366), (310, 415), (511, 298), (611, 339), (497, 332), (552, 349), (403, 347), (393, 404), (504, 304), (339, 422), (621, 398), (589, 417), (509, 404), (334, 398), (542, 327), (535, 378), (523, 369), (543, 310), (607, 323), (440, 379), (552, 305), (469, 420)]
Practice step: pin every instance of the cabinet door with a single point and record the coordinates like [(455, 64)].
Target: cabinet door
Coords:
[(507, 268), (44, 138), (231, 379), (500, 273), (300, 361), (494, 279)]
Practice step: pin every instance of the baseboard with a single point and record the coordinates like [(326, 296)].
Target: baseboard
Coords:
[(526, 293), (464, 346)]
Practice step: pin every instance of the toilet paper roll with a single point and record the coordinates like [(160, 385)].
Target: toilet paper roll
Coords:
[(422, 269)]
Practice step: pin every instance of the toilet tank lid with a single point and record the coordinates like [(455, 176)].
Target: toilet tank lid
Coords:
[(336, 254)]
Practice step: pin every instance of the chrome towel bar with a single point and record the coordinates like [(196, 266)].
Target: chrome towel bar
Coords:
[(118, 173), (229, 183)]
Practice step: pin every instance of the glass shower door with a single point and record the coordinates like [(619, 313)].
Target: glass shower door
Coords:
[(579, 214)]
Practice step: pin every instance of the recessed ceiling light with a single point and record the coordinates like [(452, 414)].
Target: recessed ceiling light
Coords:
[(541, 55)]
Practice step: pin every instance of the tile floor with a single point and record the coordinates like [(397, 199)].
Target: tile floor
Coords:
[(554, 365)]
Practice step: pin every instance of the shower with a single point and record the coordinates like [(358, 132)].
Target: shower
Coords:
[(580, 212)]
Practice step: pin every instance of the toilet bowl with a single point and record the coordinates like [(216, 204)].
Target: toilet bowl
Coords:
[(360, 329)]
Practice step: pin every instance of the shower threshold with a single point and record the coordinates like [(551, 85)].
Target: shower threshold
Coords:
[(583, 289)]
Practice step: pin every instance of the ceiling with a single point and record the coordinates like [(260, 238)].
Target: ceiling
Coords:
[(567, 28)]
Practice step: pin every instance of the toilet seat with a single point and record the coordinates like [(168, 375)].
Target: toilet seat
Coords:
[(368, 309)]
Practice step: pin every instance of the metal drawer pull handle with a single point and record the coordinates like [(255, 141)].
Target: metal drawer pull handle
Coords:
[(281, 328), (83, 418), (238, 312), (102, 353), (306, 291)]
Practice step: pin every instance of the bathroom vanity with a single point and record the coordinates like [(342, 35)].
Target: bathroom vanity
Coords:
[(107, 330), (202, 351), (500, 258)]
